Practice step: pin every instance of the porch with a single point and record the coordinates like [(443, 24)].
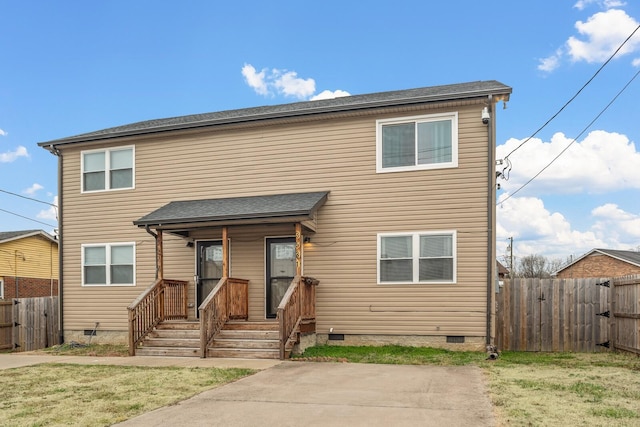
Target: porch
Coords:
[(228, 322), (159, 325)]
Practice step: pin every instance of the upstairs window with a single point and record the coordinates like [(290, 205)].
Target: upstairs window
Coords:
[(421, 142), (425, 257), (111, 264), (110, 169)]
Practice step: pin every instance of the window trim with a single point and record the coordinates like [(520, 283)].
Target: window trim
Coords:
[(1, 289), (415, 256), (108, 264), (107, 168), (452, 116)]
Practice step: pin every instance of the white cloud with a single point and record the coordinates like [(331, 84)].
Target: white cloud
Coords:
[(607, 4), (535, 230), (33, 189), (327, 94), (636, 62), (255, 80), (11, 156), (289, 84), (602, 161), (550, 63), (285, 83), (598, 37), (51, 213), (616, 224), (604, 33), (3, 133)]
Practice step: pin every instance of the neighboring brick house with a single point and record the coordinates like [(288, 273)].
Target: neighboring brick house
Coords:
[(602, 263), (28, 264)]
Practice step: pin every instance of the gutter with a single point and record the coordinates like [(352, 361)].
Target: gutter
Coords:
[(53, 150), (490, 216), (155, 237)]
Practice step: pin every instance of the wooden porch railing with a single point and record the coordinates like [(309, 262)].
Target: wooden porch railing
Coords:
[(297, 306), (164, 300), (228, 300)]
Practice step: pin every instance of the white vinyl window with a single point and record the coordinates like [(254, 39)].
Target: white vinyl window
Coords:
[(420, 142), (1, 289), (111, 264), (420, 257), (111, 169)]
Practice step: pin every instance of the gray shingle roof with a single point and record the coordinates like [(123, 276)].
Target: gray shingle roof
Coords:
[(347, 103), (627, 256), (13, 235), (236, 208)]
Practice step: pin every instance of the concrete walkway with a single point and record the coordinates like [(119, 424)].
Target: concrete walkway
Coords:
[(337, 394), (311, 394)]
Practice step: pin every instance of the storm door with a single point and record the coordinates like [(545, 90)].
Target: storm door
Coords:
[(281, 269), (208, 267)]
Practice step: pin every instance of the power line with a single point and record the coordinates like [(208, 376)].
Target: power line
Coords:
[(576, 95), (28, 198), (30, 219), (574, 139)]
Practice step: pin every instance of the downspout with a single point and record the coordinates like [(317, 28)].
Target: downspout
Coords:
[(53, 150), (490, 217), (155, 237)]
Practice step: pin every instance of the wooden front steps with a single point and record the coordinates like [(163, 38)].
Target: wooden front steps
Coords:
[(172, 338), (238, 339), (248, 340)]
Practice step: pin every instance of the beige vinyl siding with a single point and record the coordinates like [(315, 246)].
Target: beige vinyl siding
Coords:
[(338, 155), (40, 258)]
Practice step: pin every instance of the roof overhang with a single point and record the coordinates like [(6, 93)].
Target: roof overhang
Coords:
[(180, 217), (455, 92)]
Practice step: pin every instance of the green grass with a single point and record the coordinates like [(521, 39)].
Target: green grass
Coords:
[(392, 354)]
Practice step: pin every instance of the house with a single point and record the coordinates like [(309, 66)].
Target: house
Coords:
[(28, 264), (503, 272), (602, 263), (366, 219)]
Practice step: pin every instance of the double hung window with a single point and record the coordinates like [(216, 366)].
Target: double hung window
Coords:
[(111, 264), (421, 142), (423, 257), (111, 169)]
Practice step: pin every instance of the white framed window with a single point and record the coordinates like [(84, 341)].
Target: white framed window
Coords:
[(418, 142), (110, 169), (417, 257), (1, 289), (109, 264)]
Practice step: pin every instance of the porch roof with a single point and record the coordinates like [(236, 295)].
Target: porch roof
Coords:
[(189, 214)]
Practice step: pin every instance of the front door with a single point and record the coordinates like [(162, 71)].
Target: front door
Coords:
[(281, 269), (208, 267)]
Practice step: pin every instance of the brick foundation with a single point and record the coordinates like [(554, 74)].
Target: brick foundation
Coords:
[(29, 287)]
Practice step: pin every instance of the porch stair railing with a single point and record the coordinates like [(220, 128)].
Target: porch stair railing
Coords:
[(165, 299), (227, 301), (297, 308)]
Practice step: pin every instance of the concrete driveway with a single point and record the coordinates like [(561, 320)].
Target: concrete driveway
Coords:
[(337, 394)]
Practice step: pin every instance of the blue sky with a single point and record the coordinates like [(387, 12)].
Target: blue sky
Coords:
[(75, 66)]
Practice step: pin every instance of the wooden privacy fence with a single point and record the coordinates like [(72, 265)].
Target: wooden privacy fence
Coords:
[(579, 315), (28, 324), (625, 313)]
